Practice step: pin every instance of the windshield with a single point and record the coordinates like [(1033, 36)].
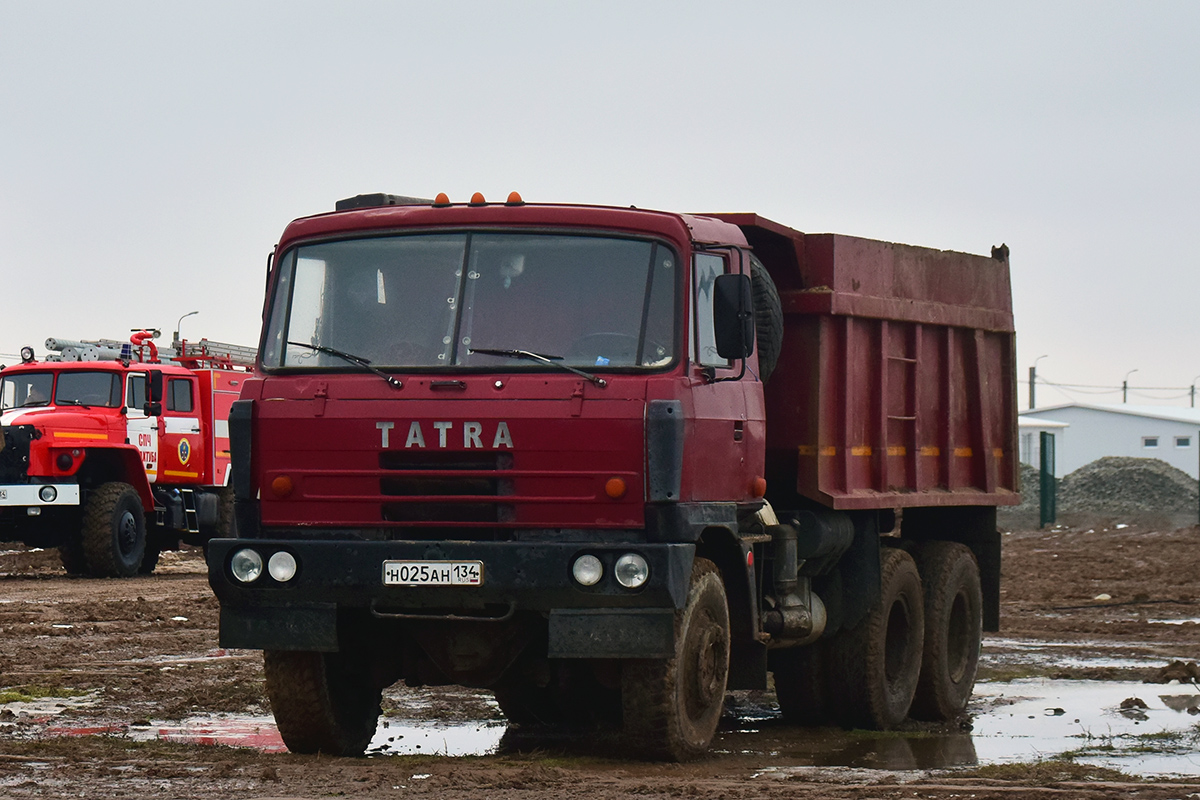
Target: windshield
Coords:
[(25, 389), (430, 300)]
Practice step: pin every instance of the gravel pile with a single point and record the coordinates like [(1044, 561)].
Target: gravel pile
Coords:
[(1116, 485), (1133, 489)]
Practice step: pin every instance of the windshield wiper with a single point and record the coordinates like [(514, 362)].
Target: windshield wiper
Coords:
[(32, 403), (539, 357), (392, 380), (73, 403)]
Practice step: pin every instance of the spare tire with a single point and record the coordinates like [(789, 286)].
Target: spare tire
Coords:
[(768, 318)]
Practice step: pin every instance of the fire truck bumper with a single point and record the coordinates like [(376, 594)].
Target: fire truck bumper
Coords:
[(605, 620), (39, 494)]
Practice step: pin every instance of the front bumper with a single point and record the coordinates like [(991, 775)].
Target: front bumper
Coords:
[(29, 494), (601, 621)]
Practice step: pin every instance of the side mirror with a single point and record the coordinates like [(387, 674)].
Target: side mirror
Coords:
[(156, 386), (733, 316), (153, 408)]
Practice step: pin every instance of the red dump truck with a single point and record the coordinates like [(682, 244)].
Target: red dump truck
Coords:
[(610, 463)]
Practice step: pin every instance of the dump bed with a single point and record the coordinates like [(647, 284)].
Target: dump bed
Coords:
[(896, 385)]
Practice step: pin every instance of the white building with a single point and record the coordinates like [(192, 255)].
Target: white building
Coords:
[(1084, 432)]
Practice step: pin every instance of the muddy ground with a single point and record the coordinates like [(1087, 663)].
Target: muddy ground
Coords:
[(89, 668)]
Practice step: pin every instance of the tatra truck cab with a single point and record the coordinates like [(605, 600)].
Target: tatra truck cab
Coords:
[(610, 463), (112, 454)]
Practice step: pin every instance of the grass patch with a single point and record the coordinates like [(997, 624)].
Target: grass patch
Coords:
[(29, 693)]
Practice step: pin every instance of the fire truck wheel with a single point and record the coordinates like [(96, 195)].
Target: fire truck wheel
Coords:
[(953, 628), (768, 318), (322, 702), (875, 665), (224, 527), (800, 684), (71, 554), (150, 557), (114, 531), (671, 708)]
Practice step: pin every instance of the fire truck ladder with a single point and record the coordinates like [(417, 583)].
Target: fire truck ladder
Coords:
[(190, 516), (190, 354)]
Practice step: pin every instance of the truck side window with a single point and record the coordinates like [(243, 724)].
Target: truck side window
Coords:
[(707, 268), (179, 395), (135, 396)]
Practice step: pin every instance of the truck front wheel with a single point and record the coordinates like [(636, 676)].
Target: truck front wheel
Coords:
[(953, 629), (876, 664), (114, 531), (322, 702), (671, 708)]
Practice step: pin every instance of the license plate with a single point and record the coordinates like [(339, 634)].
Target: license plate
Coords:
[(433, 573)]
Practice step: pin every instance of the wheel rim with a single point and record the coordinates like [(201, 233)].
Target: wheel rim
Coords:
[(958, 638), (127, 533), (897, 642), (704, 676)]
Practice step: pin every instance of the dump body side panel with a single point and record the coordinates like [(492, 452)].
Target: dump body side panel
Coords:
[(896, 385)]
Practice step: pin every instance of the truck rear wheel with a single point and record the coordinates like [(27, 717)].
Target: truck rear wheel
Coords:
[(800, 684), (114, 531), (322, 703), (953, 630), (71, 554), (875, 665), (670, 709)]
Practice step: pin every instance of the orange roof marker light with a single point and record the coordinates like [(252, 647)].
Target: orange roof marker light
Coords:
[(514, 199), (441, 201), (477, 199)]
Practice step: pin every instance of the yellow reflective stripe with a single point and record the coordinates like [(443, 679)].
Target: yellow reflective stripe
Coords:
[(175, 474), (67, 435)]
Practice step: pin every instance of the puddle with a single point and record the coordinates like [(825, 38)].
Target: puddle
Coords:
[(1018, 721), (1000, 652)]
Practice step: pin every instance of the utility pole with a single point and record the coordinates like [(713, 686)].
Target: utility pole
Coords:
[(1033, 383), (1125, 386)]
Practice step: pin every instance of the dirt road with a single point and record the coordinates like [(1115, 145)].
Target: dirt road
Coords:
[(90, 668)]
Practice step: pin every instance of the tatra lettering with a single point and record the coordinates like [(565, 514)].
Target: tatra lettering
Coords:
[(415, 437), (503, 437), (472, 435)]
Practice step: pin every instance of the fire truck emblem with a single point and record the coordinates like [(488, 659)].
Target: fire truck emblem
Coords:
[(185, 451)]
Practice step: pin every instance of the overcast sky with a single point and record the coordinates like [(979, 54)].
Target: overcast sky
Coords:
[(151, 153)]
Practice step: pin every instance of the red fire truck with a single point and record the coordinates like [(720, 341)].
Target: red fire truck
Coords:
[(112, 454), (611, 462)]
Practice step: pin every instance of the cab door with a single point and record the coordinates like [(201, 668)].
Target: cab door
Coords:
[(141, 430), (182, 450), (721, 461)]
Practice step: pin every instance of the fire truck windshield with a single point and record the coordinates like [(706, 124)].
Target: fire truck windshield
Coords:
[(25, 389), (444, 300)]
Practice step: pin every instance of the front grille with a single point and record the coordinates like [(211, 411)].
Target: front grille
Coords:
[(14, 458), (450, 487)]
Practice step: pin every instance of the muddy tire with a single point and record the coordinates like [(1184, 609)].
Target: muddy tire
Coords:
[(71, 554), (114, 531), (953, 629), (150, 557), (670, 709), (874, 667), (768, 318), (321, 703), (801, 687)]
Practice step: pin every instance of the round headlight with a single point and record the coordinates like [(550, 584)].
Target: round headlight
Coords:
[(587, 570), (282, 566), (48, 494), (632, 570), (26, 354), (246, 565)]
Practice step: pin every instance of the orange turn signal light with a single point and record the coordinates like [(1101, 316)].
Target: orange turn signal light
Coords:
[(477, 199), (442, 200), (758, 487), (281, 486), (615, 488)]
